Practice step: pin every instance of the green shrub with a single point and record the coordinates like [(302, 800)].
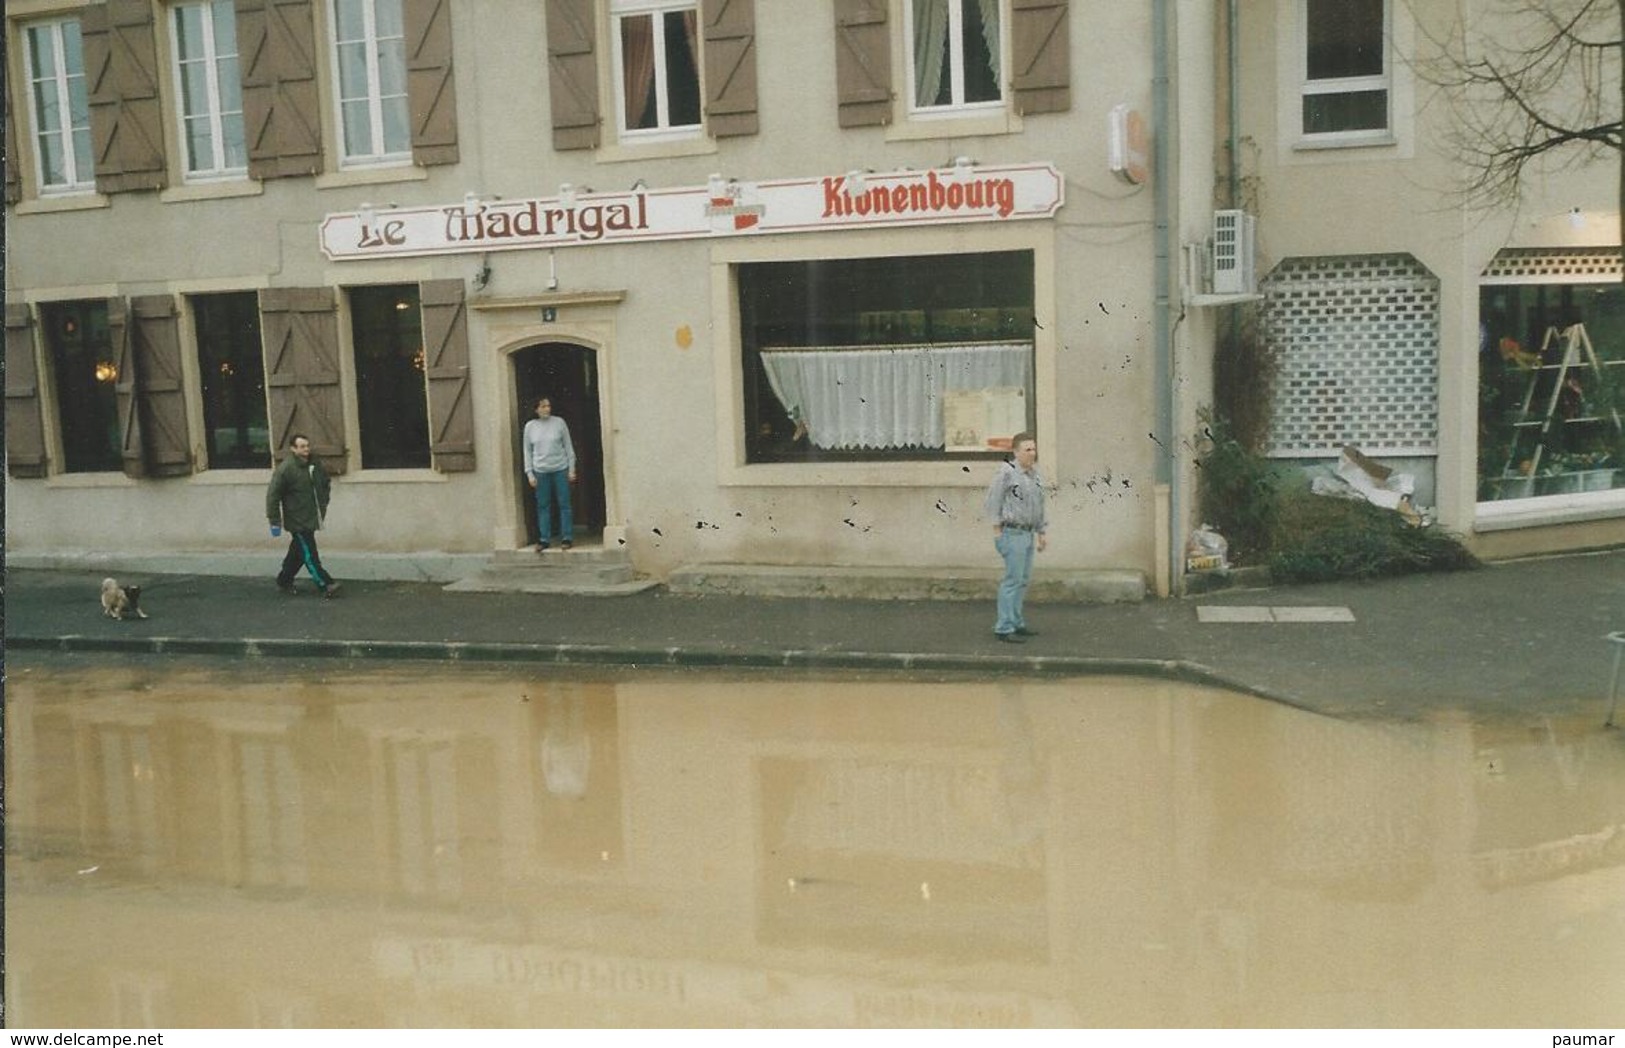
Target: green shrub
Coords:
[(1239, 493), (1319, 539), (1269, 516)]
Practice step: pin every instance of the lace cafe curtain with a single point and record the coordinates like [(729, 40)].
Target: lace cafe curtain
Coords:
[(884, 397)]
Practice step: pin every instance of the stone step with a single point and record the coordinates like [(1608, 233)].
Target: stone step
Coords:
[(556, 558), (589, 570), (903, 583)]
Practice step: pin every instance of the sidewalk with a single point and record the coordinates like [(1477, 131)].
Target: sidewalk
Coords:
[(1521, 638)]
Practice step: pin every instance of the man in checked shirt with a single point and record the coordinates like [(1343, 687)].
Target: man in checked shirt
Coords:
[(1015, 507)]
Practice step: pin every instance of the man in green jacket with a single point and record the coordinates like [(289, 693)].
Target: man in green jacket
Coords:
[(297, 500)]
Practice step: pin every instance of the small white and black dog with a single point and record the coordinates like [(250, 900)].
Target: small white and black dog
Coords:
[(121, 602)]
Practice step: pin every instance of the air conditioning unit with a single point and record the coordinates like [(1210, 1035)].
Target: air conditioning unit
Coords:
[(1230, 253)]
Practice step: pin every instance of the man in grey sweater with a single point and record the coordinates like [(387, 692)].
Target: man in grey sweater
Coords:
[(550, 466), (1014, 505)]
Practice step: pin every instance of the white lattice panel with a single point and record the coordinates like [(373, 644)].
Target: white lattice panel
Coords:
[(1356, 341), (1557, 265)]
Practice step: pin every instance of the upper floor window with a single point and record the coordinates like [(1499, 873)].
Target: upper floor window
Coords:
[(1346, 72), (209, 90), (369, 43), (60, 107), (955, 53), (657, 58)]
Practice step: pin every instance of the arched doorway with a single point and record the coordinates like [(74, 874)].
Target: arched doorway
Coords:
[(567, 374)]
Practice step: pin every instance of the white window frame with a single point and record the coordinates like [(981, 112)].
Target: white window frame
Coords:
[(655, 10), (60, 85), (956, 73), (216, 168), (378, 155), (1383, 81)]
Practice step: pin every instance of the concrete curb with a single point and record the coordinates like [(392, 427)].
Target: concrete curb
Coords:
[(639, 658)]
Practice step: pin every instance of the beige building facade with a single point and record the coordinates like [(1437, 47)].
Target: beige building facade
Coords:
[(791, 272)]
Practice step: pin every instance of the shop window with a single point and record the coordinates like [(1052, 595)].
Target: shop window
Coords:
[(232, 367), (392, 401), (369, 48), (657, 60), (1346, 70), (955, 53), (1551, 365), (59, 106), (208, 89), (886, 358), (85, 367)]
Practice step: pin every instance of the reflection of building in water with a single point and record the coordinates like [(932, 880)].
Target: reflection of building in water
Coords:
[(475, 850), (566, 746)]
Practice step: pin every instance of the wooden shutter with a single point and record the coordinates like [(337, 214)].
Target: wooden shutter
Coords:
[(1041, 42), (572, 73), (863, 62), (301, 336), (431, 87), (160, 385), (13, 162), (25, 424), (121, 77), (282, 113), (451, 398), (124, 386), (730, 67)]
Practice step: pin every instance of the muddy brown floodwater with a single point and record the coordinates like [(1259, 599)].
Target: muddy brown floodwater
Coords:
[(424, 846)]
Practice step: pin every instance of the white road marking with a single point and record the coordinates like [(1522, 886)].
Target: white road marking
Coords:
[(1221, 613)]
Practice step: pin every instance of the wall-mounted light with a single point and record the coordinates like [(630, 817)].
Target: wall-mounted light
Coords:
[(567, 194), (1576, 218), (716, 186), (369, 216), (857, 182), (962, 166), (483, 277), (106, 371)]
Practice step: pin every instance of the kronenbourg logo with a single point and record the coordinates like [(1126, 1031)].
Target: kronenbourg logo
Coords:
[(725, 206)]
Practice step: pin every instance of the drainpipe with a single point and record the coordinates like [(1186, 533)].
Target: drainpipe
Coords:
[(1232, 37), (1166, 365)]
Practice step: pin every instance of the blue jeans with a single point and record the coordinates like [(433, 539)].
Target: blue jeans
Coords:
[(1016, 547), (551, 487)]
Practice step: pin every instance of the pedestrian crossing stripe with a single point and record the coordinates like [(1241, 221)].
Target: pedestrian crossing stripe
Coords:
[(1258, 613)]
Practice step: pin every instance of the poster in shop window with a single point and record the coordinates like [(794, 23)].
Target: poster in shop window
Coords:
[(983, 419)]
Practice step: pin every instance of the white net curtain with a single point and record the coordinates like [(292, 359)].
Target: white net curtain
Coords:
[(884, 397), (931, 80)]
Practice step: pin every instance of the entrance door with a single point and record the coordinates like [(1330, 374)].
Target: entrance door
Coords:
[(567, 375)]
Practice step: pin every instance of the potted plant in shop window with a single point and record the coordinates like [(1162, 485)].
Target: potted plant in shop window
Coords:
[(1557, 475), (1595, 469)]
